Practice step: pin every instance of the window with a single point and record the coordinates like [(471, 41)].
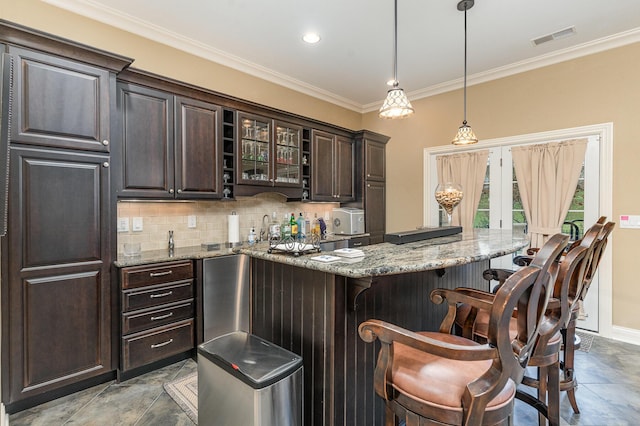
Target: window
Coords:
[(500, 205)]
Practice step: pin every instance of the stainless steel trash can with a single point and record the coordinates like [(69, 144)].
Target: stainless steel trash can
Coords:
[(245, 380)]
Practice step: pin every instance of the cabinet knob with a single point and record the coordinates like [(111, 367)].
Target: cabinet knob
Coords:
[(179, 191), (171, 191), (368, 174), (105, 142), (105, 164)]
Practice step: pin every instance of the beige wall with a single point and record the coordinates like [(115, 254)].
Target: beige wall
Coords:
[(595, 89)]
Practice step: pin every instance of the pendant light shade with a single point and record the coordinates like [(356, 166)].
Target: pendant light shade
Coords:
[(396, 105), (465, 135)]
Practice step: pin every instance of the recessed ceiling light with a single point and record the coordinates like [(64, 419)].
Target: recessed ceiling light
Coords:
[(311, 38)]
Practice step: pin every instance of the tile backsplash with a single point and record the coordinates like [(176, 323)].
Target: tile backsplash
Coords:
[(158, 218)]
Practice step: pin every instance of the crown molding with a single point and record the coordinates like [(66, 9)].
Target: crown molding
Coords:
[(115, 18)]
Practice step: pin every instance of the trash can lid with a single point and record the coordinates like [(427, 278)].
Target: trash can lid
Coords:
[(257, 362)]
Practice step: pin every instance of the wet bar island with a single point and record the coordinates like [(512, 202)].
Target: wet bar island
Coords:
[(314, 308)]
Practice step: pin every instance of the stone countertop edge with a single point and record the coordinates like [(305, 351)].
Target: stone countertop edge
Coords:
[(390, 259), (378, 260), (197, 252)]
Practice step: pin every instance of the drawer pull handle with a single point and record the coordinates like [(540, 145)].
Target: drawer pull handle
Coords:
[(168, 293), (161, 317), (160, 274), (159, 345)]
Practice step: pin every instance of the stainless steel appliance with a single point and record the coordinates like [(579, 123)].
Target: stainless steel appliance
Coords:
[(348, 220), (245, 380), (225, 295)]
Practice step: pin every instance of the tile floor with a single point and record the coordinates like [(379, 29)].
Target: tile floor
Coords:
[(609, 395)]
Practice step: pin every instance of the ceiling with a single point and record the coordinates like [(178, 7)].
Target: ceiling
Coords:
[(354, 59)]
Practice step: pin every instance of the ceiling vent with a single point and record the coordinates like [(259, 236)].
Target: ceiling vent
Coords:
[(554, 36)]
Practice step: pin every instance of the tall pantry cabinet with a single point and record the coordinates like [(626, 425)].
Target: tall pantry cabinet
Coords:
[(57, 325)]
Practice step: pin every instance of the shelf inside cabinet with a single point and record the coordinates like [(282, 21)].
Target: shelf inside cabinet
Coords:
[(306, 164), (228, 153)]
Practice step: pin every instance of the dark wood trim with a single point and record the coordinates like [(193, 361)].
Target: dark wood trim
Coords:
[(19, 35), (155, 81)]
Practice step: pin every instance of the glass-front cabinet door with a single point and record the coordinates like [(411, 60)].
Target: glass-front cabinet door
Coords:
[(287, 154), (270, 152), (255, 146)]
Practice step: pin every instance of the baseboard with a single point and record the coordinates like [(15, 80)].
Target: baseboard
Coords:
[(624, 334)]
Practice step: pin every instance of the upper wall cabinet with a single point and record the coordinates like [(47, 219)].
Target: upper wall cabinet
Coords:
[(332, 161), (59, 103), (270, 155), (169, 145)]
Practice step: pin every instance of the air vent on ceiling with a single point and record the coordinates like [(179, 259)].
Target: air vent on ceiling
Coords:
[(554, 36)]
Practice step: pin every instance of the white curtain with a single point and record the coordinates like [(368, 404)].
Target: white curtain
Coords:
[(547, 176), (467, 169)]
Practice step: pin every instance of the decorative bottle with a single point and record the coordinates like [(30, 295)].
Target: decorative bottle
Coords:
[(294, 226)]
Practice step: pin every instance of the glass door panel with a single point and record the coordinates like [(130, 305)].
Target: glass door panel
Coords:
[(255, 143), (287, 155)]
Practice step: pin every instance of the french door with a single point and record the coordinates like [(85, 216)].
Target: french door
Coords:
[(500, 206)]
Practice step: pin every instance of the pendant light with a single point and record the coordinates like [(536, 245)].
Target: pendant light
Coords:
[(396, 105), (465, 135)]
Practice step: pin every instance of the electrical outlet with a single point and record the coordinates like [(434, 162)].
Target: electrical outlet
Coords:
[(123, 224), (137, 224), (191, 221)]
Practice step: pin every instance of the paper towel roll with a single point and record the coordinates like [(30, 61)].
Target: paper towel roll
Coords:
[(234, 228)]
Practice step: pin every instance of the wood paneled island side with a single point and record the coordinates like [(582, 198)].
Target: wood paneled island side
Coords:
[(314, 309)]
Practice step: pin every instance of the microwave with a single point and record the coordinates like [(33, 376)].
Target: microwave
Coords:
[(348, 221)]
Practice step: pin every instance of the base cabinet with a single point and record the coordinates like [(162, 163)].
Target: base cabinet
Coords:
[(157, 313)]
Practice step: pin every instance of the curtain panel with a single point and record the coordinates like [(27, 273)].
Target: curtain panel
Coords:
[(467, 169), (547, 176)]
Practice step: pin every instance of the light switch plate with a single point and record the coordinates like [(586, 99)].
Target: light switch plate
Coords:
[(191, 221), (123, 224), (630, 221), (137, 224)]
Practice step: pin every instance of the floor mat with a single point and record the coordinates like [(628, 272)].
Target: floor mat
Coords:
[(184, 392), (586, 340)]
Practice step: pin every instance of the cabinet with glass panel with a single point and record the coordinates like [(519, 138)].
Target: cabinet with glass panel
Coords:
[(270, 152)]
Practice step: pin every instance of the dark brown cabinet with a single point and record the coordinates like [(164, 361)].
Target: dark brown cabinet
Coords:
[(370, 182), (270, 154), (332, 162), (56, 303), (57, 310), (157, 313), (59, 103), (169, 146)]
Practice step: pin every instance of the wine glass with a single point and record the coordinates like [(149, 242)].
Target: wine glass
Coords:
[(448, 195)]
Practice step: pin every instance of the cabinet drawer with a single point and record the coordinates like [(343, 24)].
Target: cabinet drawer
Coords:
[(158, 273), (156, 295), (156, 344), (150, 318)]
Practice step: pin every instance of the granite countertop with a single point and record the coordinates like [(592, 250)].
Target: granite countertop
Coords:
[(389, 259), (197, 252), (379, 259)]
